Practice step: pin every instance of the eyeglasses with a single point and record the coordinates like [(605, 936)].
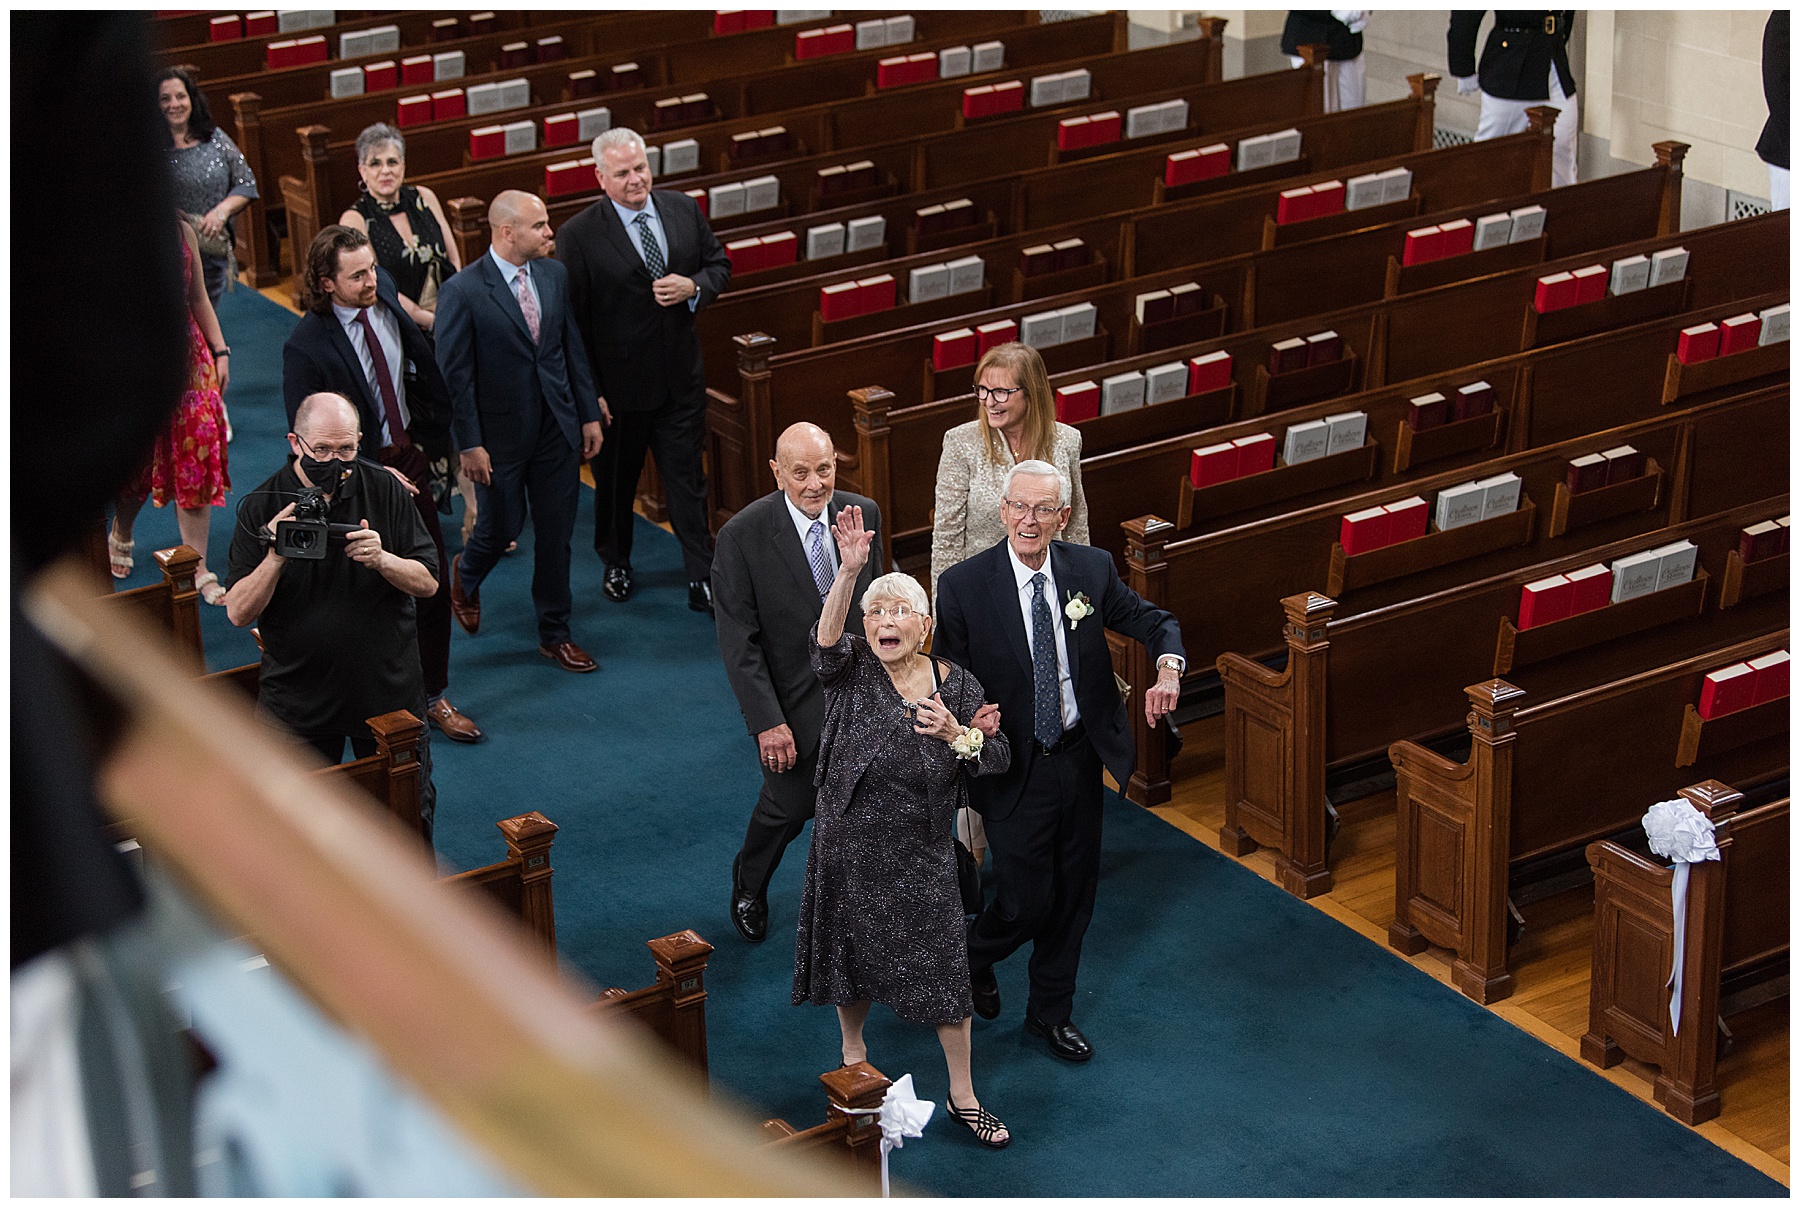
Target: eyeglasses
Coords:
[(995, 394), (327, 452), (1043, 511), (881, 612)]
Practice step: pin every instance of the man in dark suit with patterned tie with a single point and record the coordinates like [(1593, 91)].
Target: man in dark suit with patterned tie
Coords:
[(642, 263), (1029, 618), (775, 563), (524, 413)]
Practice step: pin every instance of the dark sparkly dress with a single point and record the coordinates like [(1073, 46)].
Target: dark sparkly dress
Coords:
[(881, 917), (418, 267)]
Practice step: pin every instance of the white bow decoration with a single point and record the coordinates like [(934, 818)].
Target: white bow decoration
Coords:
[(1679, 832), (902, 1114)]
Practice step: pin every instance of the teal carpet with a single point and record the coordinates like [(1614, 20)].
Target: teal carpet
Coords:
[(1247, 1045)]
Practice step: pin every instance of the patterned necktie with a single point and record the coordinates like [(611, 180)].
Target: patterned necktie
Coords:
[(821, 561), (653, 257), (527, 303), (1049, 729), (384, 383)]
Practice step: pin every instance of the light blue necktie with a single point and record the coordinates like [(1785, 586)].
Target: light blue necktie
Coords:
[(1043, 667), (821, 561)]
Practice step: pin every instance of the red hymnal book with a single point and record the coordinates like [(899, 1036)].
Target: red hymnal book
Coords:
[(1423, 245), (571, 176), (1457, 237), (991, 335), (810, 44), (1070, 253), (1427, 411), (622, 76), (759, 18), (487, 142), (225, 29), (1103, 128), (1077, 402), (1324, 347), (1190, 297), (1727, 690), (1213, 464), (258, 24), (417, 70), (891, 73), (1072, 133), (952, 348), (838, 301), (978, 101), (728, 21), (700, 199), (1738, 333), (1759, 541), (1360, 532), (1008, 97), (875, 293), (1254, 454), (1585, 473), (1545, 601), (413, 111), (1407, 518), (745, 254), (1287, 355), (783, 247), (552, 48), (1036, 260), (1555, 292), (450, 103), (1209, 371), (1327, 198), (1294, 205), (311, 50), (378, 77), (584, 83), (1590, 283), (277, 55), (1698, 343), (1156, 306), (1771, 677), (561, 130), (1623, 464), (1475, 399), (1202, 163), (1593, 588)]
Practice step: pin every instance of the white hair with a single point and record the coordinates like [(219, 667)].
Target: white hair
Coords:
[(900, 586), (618, 136), (1037, 469)]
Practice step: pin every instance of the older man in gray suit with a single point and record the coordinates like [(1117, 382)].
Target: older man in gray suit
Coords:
[(774, 562)]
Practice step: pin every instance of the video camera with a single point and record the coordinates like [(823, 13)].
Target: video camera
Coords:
[(308, 533)]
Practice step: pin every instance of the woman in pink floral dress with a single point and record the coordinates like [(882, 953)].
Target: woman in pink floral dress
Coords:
[(187, 463)]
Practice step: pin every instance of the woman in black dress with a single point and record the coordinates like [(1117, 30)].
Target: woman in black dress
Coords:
[(881, 918)]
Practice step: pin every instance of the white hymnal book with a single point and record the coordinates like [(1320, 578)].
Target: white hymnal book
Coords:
[(382, 40), (762, 193), (1121, 392), (1042, 330), (1305, 442), (899, 30), (346, 81), (1396, 184), (967, 274), (1078, 321), (1629, 275), (1143, 120), (823, 241), (1046, 90), (794, 16), (1078, 84), (520, 137), (592, 123), (723, 201), (1165, 383), (1175, 115), (1494, 230), (653, 156), (482, 98), (1675, 563), (1635, 575), (954, 61), (863, 233), (1257, 151), (989, 56), (928, 283), (871, 35), (1361, 192), (1774, 325), (295, 19), (1500, 495), (1668, 265), (1527, 223), (681, 155), (1457, 506), (514, 94), (450, 65), (1285, 146), (1345, 431)]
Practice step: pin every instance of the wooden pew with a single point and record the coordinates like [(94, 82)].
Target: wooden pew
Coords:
[(249, 55), (1355, 683), (521, 882), (674, 1005), (1736, 923), (172, 605), (1549, 778), (173, 31), (850, 1091)]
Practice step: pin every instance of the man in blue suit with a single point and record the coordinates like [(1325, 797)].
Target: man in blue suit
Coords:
[(523, 413), (1029, 618)]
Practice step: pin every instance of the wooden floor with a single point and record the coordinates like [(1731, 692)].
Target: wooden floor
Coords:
[(1550, 962)]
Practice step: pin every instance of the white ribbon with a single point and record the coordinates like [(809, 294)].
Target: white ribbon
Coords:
[(903, 1114), (1679, 832)]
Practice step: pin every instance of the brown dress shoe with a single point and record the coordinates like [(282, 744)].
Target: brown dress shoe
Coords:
[(455, 726), (465, 608), (569, 657)]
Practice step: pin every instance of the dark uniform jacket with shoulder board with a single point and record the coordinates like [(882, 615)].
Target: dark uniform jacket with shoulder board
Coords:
[(1522, 49)]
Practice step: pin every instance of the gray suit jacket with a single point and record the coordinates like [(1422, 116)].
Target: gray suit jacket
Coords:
[(766, 603)]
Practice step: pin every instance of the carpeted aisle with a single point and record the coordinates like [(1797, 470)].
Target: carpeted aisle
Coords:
[(1247, 1044)]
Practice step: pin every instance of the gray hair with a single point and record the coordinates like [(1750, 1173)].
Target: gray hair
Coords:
[(618, 136), (898, 585), (1037, 469), (376, 136)]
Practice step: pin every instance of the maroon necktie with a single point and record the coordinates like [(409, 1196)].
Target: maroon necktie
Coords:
[(390, 405)]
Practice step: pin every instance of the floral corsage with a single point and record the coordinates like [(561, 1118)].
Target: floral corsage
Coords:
[(1077, 608), (967, 745)]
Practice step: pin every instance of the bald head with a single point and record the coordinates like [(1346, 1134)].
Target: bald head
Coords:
[(327, 430), (520, 225), (326, 409), (805, 467)]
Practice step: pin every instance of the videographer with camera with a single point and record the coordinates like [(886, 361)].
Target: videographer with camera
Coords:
[(328, 558)]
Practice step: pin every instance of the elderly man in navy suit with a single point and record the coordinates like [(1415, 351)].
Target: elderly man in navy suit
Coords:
[(1028, 617), (524, 413)]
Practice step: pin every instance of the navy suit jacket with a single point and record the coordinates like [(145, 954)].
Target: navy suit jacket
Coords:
[(641, 353), (319, 356), (498, 379), (981, 626)]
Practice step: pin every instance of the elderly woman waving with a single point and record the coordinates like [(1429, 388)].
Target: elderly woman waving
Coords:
[(881, 919)]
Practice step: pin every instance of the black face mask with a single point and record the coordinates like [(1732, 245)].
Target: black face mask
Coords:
[(324, 474)]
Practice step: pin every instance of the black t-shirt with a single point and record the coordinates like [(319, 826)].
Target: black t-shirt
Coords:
[(340, 643)]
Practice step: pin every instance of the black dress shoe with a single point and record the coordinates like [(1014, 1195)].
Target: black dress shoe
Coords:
[(986, 992), (1066, 1040), (700, 596), (616, 586), (750, 915)]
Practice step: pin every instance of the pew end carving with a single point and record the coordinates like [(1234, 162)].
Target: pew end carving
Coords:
[(851, 1093), (255, 248), (870, 405), (1147, 575)]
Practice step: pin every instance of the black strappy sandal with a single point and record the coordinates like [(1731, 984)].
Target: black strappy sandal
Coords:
[(983, 1123)]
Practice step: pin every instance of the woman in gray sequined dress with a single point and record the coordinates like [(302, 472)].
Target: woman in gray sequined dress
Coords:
[(881, 918), (211, 178)]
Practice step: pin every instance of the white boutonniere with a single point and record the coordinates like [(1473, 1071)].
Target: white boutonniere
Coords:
[(967, 745), (1077, 608)]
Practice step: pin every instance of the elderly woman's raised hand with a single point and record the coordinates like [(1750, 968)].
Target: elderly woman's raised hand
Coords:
[(935, 719), (853, 540)]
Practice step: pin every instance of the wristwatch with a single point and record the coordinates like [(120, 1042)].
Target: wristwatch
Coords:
[(221, 352), (1173, 662)]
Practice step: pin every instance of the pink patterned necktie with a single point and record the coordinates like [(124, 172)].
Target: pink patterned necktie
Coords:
[(527, 303)]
